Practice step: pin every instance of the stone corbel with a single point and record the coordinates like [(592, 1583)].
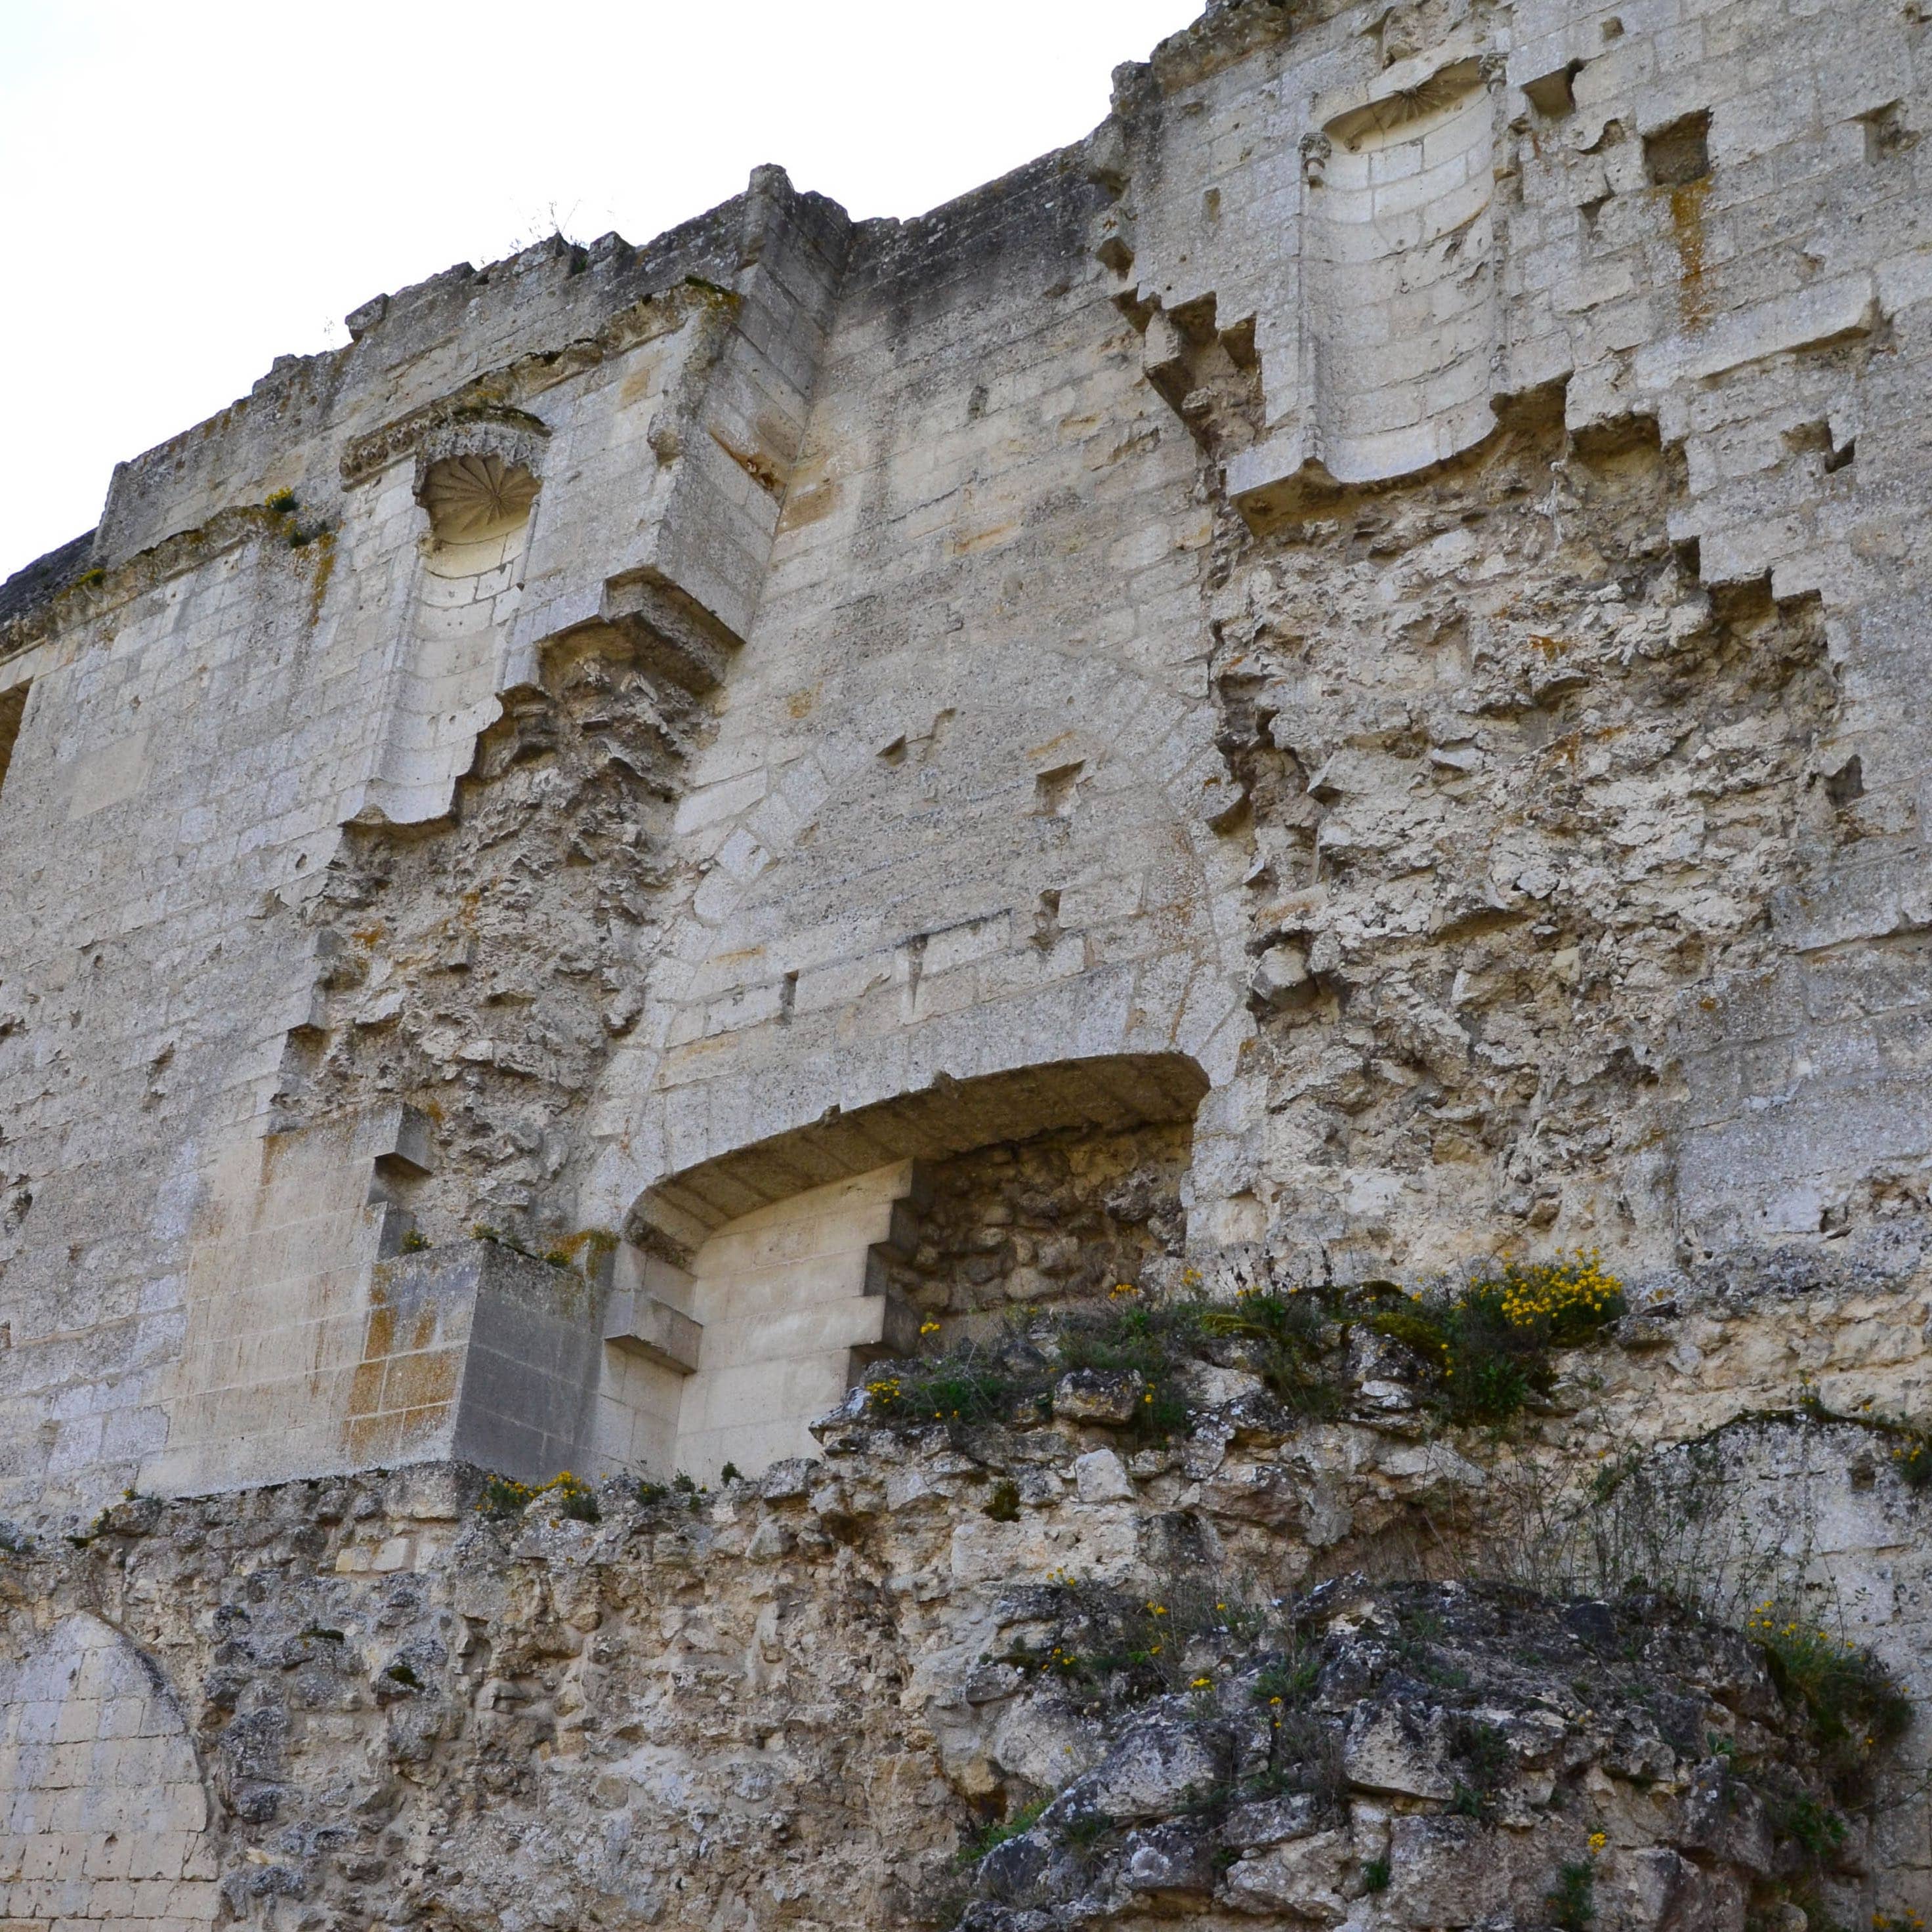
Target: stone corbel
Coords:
[(402, 1143), (639, 1323), (671, 632)]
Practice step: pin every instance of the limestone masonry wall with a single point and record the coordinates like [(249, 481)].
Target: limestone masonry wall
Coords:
[(1321, 692)]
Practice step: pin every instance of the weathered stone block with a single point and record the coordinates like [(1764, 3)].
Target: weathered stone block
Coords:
[(1110, 1398)]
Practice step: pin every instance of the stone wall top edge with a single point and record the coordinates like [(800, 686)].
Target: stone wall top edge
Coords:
[(77, 592), (1228, 30), (36, 584), (1048, 196), (300, 394), (554, 289)]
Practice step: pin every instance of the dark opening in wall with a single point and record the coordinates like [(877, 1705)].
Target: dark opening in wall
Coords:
[(1677, 155), (1847, 783), (13, 706), (1887, 132), (1552, 94)]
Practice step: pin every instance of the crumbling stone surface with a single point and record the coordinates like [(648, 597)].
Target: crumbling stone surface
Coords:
[(1488, 1015), (481, 970), (1428, 1756), (821, 1693)]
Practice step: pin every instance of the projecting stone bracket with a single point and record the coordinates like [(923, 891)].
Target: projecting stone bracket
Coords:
[(405, 1143), (637, 1322), (672, 633), (667, 630), (474, 1352)]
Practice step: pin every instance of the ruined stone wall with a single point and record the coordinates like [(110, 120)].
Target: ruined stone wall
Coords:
[(805, 1698), (965, 812), (1321, 687), (1315, 687)]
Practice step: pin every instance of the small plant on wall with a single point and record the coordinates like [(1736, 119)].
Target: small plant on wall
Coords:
[(1481, 1348), (504, 1498)]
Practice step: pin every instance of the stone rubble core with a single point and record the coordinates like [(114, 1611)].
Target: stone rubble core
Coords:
[(1314, 690)]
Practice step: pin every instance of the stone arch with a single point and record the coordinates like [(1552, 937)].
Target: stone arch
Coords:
[(769, 1285), (764, 1018), (1109, 1091), (107, 1816)]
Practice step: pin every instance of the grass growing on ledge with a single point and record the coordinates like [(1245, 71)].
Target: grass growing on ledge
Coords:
[(1125, 1338), (1286, 1338), (504, 1497), (1909, 1446), (1852, 1703), (680, 1491), (1482, 1348), (1283, 1338), (967, 1384)]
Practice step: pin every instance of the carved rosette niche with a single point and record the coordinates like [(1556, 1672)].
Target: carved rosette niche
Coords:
[(470, 498), (1400, 320), (477, 480), (479, 505)]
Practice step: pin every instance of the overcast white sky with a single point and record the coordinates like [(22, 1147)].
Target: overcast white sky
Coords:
[(189, 189)]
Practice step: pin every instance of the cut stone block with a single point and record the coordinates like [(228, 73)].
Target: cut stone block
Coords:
[(643, 1325)]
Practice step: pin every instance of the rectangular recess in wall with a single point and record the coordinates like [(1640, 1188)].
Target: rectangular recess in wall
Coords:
[(13, 706)]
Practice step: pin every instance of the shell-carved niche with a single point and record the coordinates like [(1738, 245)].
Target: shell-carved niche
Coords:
[(1399, 271), (474, 497)]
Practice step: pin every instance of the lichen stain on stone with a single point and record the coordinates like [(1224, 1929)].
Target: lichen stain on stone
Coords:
[(1687, 222)]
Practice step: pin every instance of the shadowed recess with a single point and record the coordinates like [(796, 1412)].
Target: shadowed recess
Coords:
[(1113, 1091)]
